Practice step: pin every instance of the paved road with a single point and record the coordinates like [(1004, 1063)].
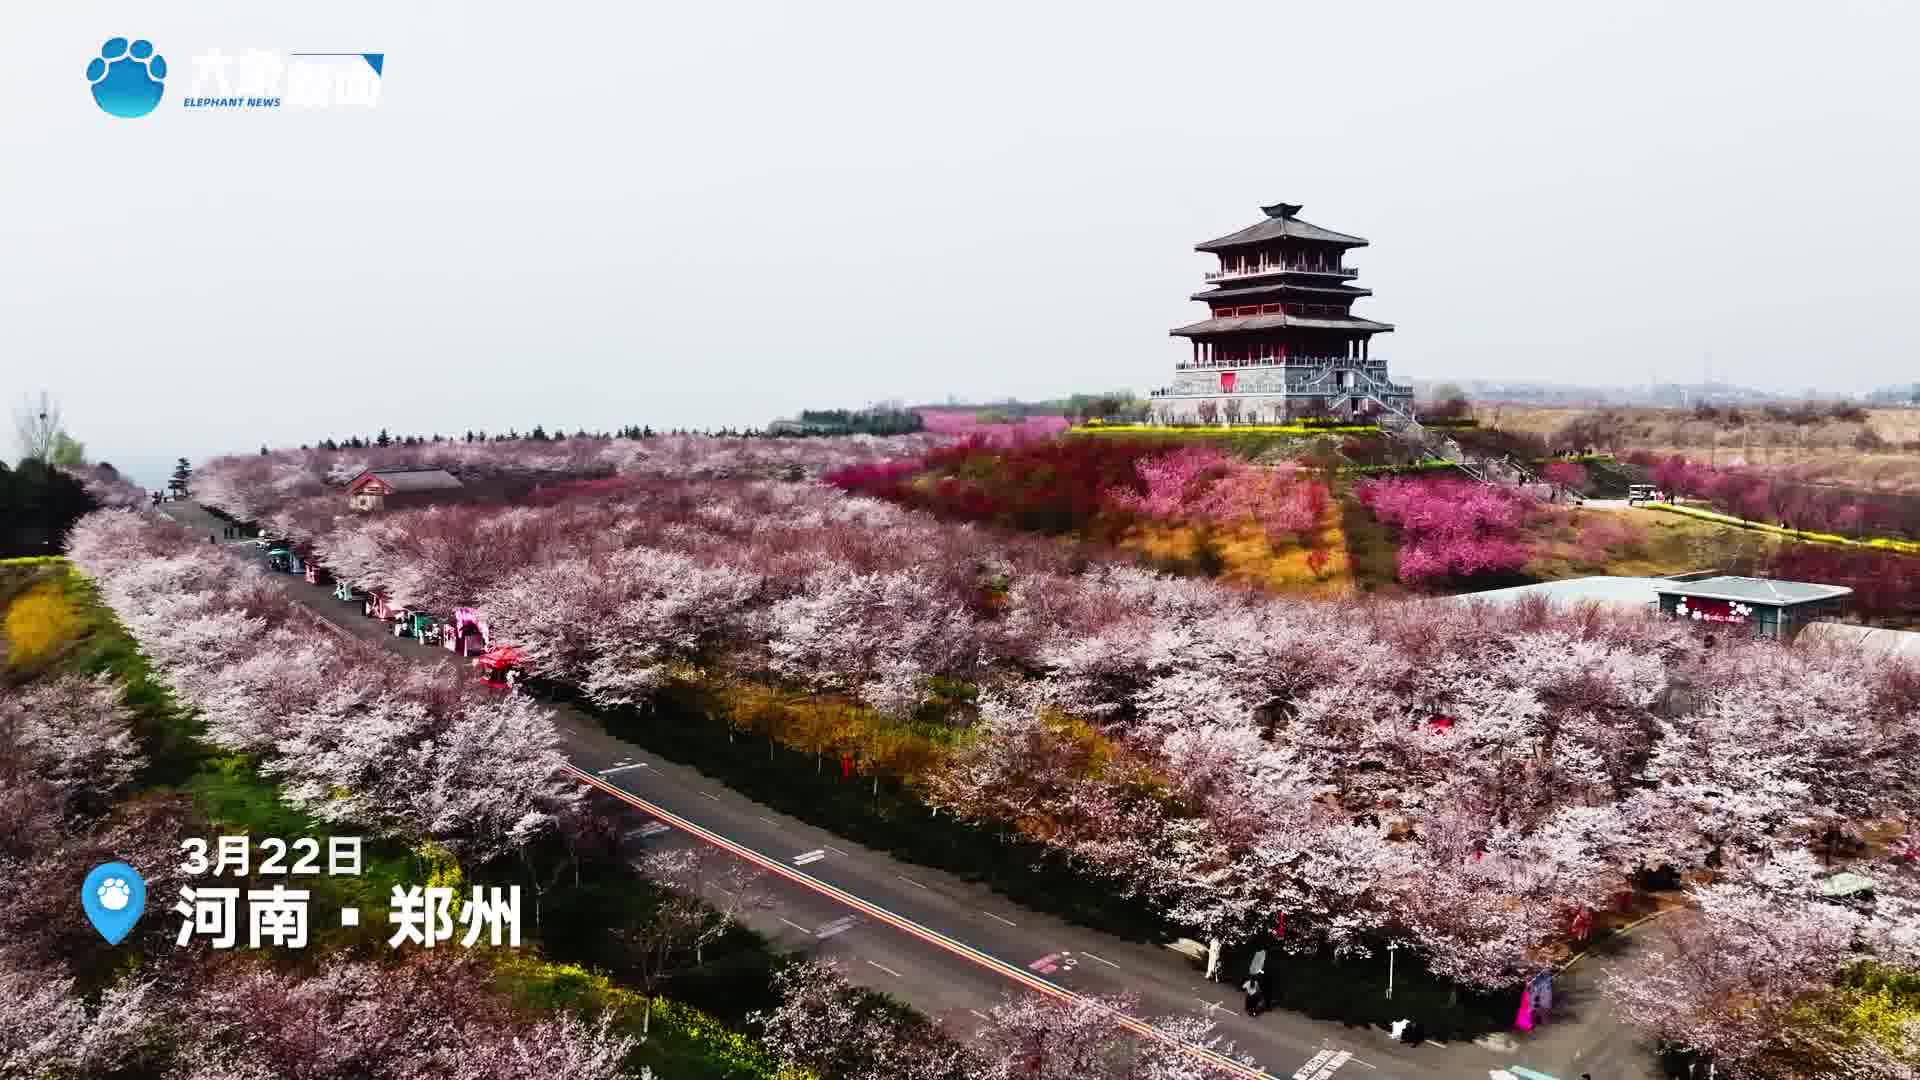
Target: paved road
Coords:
[(866, 937)]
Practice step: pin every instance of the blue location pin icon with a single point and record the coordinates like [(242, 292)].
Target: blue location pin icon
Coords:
[(114, 896)]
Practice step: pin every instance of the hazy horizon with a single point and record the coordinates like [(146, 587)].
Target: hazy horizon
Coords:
[(717, 215)]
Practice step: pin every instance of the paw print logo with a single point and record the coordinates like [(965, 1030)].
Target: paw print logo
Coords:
[(127, 79), (114, 894)]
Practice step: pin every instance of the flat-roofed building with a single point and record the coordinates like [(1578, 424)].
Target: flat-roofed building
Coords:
[(1772, 609), (1765, 607)]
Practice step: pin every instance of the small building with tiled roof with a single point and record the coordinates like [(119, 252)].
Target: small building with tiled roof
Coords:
[(388, 489), (1762, 607), (1281, 336)]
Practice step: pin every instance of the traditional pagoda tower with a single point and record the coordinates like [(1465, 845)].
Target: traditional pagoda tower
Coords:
[(1282, 339)]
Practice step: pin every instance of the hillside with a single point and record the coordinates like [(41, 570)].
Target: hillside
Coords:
[(1877, 451)]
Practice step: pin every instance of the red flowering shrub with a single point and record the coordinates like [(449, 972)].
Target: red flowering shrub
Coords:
[(560, 491), (881, 479), (1884, 584), (1568, 474), (1058, 485), (1449, 527), (1093, 486)]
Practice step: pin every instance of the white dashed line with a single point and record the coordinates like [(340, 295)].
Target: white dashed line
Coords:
[(1323, 1064), (651, 828), (838, 926), (1002, 918), (711, 795), (886, 969), (835, 850), (795, 925), (768, 820), (1102, 959), (806, 857), (910, 881), (624, 768)]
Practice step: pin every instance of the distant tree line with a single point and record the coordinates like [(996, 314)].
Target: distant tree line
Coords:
[(880, 420), (1802, 413), (539, 433)]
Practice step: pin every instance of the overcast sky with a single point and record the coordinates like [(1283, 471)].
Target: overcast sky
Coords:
[(710, 213)]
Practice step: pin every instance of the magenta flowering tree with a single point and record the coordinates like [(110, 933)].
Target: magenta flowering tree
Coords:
[(1202, 484), (1278, 498), (1173, 484), (1451, 528)]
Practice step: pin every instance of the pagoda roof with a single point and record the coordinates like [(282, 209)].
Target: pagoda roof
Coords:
[(1278, 322), (1246, 292), (1280, 223)]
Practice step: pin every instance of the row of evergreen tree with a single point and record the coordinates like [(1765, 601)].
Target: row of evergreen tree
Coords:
[(882, 420)]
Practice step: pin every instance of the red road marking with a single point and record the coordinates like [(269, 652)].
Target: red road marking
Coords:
[(899, 922)]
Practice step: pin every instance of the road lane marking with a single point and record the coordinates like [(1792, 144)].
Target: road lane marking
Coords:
[(1102, 959), (806, 857), (1323, 1064), (835, 850), (768, 820), (652, 828), (624, 768), (910, 881), (711, 795), (795, 925), (838, 926), (886, 969), (978, 1013), (1219, 1061), (1002, 918)]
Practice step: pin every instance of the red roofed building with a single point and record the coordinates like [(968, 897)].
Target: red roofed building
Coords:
[(388, 489)]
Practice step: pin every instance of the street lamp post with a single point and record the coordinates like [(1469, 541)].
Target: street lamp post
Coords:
[(1392, 947)]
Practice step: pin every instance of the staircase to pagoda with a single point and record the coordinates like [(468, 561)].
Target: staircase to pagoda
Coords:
[(1401, 424)]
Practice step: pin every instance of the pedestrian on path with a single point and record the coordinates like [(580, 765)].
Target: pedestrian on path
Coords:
[(211, 540)]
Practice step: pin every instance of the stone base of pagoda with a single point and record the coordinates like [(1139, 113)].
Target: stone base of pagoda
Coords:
[(1217, 408)]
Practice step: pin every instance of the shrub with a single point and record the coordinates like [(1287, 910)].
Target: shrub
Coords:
[(39, 623)]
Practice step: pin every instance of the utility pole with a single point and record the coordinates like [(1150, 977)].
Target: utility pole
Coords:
[(1392, 947)]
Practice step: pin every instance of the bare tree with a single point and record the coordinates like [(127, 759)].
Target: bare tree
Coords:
[(685, 922), (36, 426)]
